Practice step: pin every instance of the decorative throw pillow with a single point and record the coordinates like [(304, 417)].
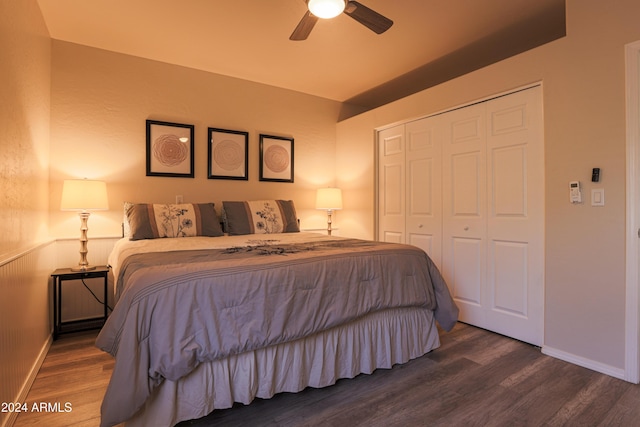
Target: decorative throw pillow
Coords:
[(126, 227), (152, 221), (261, 217)]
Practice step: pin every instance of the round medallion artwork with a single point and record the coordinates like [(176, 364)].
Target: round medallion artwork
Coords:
[(276, 158), (169, 150), (228, 155)]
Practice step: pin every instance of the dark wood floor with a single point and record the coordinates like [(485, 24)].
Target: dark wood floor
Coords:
[(476, 378)]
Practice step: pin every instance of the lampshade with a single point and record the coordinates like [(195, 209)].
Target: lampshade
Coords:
[(326, 8), (329, 198), (84, 195)]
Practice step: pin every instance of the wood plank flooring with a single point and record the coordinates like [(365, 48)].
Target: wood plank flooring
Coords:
[(74, 371), (476, 378)]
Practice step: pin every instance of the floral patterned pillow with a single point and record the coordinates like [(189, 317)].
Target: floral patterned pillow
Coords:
[(261, 217), (152, 221), (126, 227)]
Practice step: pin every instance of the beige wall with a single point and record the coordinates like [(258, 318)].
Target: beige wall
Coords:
[(584, 113), (101, 99), (24, 120), (25, 265)]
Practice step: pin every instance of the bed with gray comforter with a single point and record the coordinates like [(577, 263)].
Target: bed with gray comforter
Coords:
[(189, 313)]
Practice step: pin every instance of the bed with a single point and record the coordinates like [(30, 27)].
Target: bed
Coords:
[(215, 318)]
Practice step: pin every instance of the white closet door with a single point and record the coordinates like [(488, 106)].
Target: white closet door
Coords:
[(391, 185), (515, 156), (424, 186), (464, 209), (467, 186), (493, 184)]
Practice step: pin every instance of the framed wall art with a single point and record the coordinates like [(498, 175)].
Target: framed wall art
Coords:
[(169, 149), (228, 154), (276, 158)]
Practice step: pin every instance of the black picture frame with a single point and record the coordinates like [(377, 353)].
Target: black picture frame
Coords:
[(228, 154), (170, 148), (276, 158)]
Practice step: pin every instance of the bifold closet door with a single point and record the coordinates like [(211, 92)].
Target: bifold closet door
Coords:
[(515, 219), (410, 186), (465, 210), (493, 201), (467, 186)]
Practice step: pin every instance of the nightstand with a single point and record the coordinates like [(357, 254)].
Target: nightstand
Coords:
[(62, 275)]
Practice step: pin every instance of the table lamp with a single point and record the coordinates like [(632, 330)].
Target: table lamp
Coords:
[(329, 199), (84, 195)]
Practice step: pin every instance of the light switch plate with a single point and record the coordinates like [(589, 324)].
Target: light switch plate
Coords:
[(597, 197)]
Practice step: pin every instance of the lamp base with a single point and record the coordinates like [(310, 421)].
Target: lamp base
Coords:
[(83, 264), (329, 212), (83, 268)]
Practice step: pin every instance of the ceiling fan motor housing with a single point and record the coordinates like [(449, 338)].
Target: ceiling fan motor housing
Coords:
[(326, 9), (361, 13)]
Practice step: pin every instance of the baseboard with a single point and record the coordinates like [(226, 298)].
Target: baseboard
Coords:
[(585, 363), (26, 386)]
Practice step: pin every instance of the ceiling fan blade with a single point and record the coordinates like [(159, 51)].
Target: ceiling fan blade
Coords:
[(368, 17), (304, 27)]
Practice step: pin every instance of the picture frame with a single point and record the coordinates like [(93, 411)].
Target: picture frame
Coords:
[(228, 154), (170, 148), (276, 158)]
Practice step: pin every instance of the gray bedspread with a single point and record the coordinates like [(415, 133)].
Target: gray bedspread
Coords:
[(179, 309)]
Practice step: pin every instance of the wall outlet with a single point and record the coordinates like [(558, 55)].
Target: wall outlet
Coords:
[(178, 199)]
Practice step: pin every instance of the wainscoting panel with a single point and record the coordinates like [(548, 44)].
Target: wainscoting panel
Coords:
[(25, 325)]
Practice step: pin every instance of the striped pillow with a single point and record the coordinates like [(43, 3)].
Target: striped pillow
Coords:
[(153, 221), (261, 217)]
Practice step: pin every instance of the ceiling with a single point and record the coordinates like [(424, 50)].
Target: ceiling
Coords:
[(431, 41)]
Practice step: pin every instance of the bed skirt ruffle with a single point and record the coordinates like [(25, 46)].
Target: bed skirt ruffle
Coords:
[(379, 340)]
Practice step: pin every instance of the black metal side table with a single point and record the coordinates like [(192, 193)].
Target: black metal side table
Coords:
[(65, 274)]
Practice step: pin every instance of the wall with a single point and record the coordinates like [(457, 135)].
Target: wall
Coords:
[(25, 263), (24, 120), (584, 114), (101, 99)]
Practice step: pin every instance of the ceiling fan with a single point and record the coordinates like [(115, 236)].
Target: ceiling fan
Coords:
[(327, 9)]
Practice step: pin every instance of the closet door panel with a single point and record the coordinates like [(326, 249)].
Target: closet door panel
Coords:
[(424, 183), (466, 185), (510, 282), (515, 220), (464, 210), (508, 255), (509, 181), (391, 185), (466, 272), (420, 204)]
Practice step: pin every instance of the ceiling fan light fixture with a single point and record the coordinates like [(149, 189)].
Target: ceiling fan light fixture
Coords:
[(326, 9)]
